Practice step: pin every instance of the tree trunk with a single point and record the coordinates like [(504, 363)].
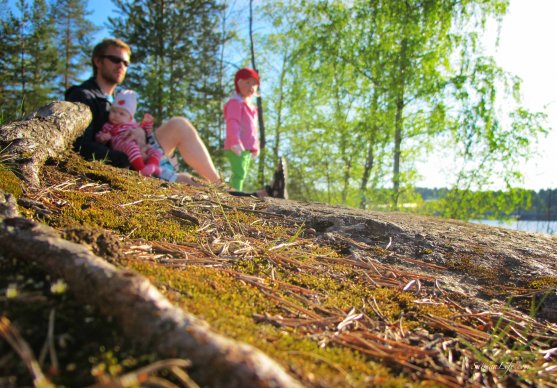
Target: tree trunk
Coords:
[(47, 133), (369, 161), (221, 123), (397, 146), (346, 179), (368, 165), (262, 140), (22, 71), (399, 123), (278, 126), (68, 45)]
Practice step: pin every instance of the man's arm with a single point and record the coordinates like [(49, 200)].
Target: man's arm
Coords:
[(86, 144)]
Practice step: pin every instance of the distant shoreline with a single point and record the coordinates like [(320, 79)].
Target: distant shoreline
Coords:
[(535, 226)]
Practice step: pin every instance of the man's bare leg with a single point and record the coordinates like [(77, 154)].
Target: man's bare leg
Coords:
[(179, 133)]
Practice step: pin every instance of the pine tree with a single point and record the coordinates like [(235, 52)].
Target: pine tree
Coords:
[(29, 58), (42, 57), (75, 34), (9, 28), (174, 58)]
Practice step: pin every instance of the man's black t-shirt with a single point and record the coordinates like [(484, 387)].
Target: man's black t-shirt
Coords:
[(91, 95)]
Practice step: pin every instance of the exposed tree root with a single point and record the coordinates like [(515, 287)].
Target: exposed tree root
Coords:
[(47, 133), (142, 311)]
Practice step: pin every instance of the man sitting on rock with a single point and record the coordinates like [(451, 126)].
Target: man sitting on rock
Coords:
[(110, 61)]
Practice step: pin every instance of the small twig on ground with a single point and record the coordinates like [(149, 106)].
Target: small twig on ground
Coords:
[(144, 375), (49, 344), (20, 346)]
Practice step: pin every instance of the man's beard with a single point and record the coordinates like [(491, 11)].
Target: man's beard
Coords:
[(111, 77)]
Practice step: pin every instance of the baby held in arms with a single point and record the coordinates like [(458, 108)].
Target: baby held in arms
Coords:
[(117, 132)]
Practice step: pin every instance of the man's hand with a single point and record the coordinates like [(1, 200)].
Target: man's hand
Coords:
[(136, 135), (103, 137)]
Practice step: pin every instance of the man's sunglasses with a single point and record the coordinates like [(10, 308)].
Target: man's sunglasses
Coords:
[(116, 60)]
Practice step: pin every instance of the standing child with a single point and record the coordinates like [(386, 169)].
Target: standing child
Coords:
[(142, 157), (242, 140)]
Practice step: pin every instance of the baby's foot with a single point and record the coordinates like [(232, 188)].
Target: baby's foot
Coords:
[(148, 170), (157, 171)]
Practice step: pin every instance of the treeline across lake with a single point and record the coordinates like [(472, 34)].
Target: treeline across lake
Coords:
[(530, 205)]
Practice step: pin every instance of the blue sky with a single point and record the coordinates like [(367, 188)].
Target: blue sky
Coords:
[(527, 49), (102, 10)]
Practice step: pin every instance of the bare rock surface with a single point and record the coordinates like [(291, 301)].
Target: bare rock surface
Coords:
[(466, 257)]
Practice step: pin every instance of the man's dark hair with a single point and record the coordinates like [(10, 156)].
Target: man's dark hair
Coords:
[(101, 48)]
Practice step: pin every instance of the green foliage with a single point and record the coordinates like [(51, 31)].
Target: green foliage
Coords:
[(373, 87), (74, 37), (29, 58), (468, 204), (355, 92)]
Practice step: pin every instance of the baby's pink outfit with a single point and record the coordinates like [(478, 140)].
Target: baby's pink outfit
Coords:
[(119, 142)]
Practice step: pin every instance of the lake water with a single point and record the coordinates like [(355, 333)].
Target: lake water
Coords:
[(547, 227)]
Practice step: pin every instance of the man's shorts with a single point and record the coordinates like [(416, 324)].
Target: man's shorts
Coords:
[(168, 171)]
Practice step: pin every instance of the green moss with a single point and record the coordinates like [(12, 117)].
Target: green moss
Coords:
[(9, 182), (337, 293), (264, 296), (117, 179), (470, 266), (26, 155), (229, 306), (543, 282), (127, 207)]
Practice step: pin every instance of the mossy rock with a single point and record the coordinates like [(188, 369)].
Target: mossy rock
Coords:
[(9, 182), (250, 273)]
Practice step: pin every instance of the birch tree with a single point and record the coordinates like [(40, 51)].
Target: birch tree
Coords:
[(417, 76)]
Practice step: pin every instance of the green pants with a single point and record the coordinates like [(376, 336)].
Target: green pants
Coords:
[(240, 166)]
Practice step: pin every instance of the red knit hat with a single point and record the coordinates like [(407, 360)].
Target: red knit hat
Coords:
[(245, 73)]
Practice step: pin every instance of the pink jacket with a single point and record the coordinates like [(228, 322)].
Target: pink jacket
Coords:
[(241, 125)]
